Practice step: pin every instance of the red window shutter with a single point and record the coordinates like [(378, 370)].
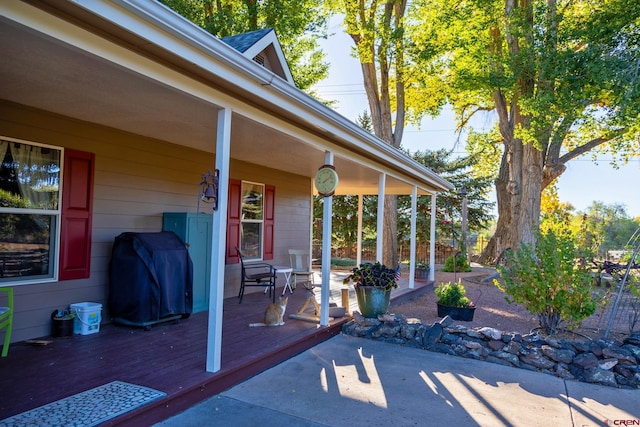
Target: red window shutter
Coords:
[(77, 212), (233, 221), (269, 211)]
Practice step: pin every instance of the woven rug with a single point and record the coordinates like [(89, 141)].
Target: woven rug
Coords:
[(88, 408)]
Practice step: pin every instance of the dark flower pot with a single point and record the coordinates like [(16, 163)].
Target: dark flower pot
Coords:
[(464, 314), (421, 274), (61, 327), (372, 300)]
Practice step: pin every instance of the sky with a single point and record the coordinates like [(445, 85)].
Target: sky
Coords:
[(581, 184)]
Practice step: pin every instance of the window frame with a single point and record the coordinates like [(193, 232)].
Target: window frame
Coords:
[(260, 221), (233, 221), (55, 214)]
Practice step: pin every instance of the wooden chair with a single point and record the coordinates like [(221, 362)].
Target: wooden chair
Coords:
[(6, 319), (257, 274), (301, 265)]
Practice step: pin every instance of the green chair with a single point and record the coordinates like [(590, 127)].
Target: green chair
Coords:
[(6, 319)]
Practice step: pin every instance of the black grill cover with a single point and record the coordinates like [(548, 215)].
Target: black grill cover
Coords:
[(151, 277)]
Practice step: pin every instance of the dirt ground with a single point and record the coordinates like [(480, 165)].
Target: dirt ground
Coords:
[(491, 307)]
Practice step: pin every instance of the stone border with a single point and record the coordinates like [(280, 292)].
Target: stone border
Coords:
[(609, 363)]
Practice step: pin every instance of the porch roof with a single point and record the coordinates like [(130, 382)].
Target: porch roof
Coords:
[(137, 66)]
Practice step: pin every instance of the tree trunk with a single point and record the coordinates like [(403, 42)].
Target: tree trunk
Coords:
[(518, 191), (390, 232)]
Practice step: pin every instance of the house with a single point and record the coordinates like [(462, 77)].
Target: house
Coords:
[(111, 114)]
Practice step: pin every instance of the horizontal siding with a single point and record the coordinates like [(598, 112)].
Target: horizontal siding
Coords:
[(136, 180)]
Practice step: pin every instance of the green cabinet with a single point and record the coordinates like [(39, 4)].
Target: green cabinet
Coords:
[(195, 231)]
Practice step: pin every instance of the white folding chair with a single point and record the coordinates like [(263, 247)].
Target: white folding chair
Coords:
[(301, 265)]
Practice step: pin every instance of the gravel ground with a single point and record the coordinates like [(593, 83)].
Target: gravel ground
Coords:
[(491, 308)]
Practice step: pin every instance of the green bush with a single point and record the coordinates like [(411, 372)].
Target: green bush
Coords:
[(461, 264), (343, 262), (550, 280), (452, 294)]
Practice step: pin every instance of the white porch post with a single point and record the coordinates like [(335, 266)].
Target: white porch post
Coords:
[(327, 213), (359, 237), (219, 242), (382, 180), (432, 240), (412, 249)]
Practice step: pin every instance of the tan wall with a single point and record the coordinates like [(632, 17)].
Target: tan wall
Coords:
[(136, 180)]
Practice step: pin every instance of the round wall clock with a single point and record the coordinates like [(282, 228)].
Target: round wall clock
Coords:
[(326, 180)]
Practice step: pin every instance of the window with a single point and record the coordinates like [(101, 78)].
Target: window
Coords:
[(252, 217), (29, 210), (250, 220), (40, 221)]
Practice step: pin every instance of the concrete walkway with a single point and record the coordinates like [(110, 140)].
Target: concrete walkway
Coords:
[(348, 381)]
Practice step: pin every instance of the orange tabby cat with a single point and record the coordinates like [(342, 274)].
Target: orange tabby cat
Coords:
[(274, 314)]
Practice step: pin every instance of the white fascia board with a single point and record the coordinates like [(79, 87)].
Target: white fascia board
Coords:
[(281, 92), (199, 47)]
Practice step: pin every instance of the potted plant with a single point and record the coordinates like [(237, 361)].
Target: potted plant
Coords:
[(421, 271), (62, 323), (452, 301), (373, 284)]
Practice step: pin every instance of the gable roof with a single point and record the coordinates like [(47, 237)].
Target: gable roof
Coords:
[(263, 47)]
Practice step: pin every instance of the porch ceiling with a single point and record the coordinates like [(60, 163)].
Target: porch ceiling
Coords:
[(42, 72)]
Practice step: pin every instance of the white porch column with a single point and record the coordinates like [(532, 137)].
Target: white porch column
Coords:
[(382, 180), (327, 214), (412, 249), (432, 240), (219, 242), (359, 237)]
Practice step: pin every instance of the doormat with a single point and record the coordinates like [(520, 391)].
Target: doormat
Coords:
[(88, 408)]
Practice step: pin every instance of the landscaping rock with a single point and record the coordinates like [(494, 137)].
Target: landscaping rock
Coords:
[(607, 364), (432, 335), (600, 362), (633, 339), (495, 345), (558, 354), (492, 333), (586, 361)]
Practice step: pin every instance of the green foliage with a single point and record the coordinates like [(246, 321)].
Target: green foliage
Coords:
[(298, 25), (559, 78), (605, 227), (341, 262), (453, 294), (457, 171), (456, 263), (423, 265), (550, 280), (369, 274)]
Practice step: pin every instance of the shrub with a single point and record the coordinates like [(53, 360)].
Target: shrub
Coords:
[(452, 294), (461, 264), (549, 280)]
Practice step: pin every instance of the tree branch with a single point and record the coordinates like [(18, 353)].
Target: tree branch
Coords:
[(588, 146)]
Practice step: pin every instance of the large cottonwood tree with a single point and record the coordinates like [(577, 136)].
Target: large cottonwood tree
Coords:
[(561, 78), (381, 40)]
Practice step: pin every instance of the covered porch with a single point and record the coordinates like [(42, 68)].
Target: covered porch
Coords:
[(169, 358)]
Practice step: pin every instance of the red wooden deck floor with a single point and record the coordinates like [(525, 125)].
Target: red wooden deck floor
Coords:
[(170, 358)]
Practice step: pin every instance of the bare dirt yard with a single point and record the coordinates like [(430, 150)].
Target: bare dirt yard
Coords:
[(493, 310)]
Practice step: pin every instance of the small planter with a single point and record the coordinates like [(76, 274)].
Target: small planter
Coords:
[(61, 324), (421, 274), (464, 314), (372, 300)]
